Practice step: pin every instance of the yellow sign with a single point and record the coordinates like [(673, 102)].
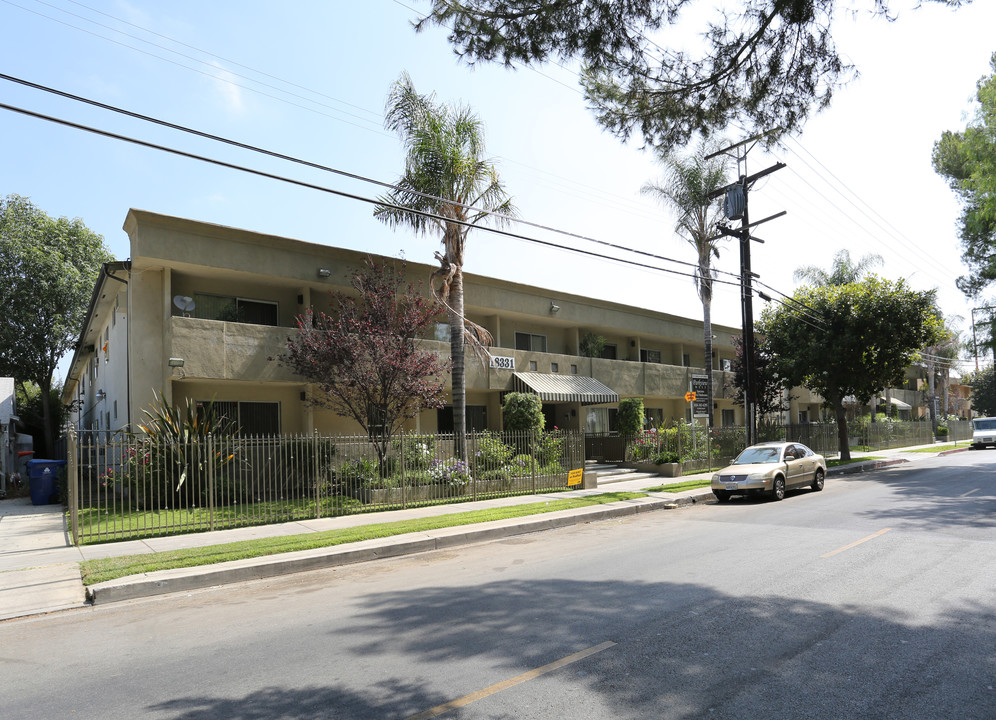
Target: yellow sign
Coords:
[(575, 477), (690, 397)]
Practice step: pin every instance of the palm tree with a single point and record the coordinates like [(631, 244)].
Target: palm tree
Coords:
[(939, 359), (686, 187), (448, 187), (843, 271)]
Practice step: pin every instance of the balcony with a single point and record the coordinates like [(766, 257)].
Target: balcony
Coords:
[(214, 349)]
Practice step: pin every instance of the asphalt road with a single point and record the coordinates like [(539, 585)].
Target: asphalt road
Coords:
[(873, 599)]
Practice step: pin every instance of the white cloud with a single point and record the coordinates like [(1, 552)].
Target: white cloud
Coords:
[(228, 89)]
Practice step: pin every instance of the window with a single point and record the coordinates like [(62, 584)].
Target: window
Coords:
[(252, 418), (653, 417), (803, 416), (686, 360), (729, 418), (574, 369), (532, 366), (441, 332), (526, 341), (600, 420), (650, 356), (235, 309), (726, 364), (115, 409), (608, 352), (477, 419), (554, 367)]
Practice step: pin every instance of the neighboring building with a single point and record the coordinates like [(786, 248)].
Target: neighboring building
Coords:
[(15, 448), (7, 431), (200, 309)]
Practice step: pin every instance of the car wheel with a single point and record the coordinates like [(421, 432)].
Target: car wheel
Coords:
[(778, 488), (721, 495), (818, 480)]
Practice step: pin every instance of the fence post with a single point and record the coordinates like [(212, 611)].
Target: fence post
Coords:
[(72, 480), (473, 454), (532, 455), (316, 450), (404, 472), (210, 464)]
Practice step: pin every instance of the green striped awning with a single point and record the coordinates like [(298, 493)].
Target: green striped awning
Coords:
[(564, 388)]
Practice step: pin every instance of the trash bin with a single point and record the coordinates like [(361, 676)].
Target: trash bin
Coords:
[(41, 478)]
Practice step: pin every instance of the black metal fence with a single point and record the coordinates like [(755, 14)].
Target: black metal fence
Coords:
[(124, 486), (697, 446)]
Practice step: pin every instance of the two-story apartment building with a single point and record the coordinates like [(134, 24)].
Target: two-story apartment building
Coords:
[(199, 310)]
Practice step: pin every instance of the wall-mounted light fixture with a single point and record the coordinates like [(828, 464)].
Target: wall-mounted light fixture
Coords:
[(100, 394), (554, 308), (176, 362), (324, 272)]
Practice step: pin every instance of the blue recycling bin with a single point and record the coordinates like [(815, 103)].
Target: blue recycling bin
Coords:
[(41, 478)]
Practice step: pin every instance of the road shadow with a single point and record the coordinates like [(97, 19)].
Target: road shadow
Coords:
[(683, 650), (937, 496)]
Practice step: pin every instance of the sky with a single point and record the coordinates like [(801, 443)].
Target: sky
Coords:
[(310, 80)]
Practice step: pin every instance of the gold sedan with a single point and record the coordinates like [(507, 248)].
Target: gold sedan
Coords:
[(770, 469)]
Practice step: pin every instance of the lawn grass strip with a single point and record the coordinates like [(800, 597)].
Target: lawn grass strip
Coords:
[(105, 569)]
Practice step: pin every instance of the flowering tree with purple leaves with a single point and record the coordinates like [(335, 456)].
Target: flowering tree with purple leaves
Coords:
[(365, 360)]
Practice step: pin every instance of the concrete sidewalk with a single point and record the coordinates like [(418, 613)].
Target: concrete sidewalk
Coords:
[(39, 568)]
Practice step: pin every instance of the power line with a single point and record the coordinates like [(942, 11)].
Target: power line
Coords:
[(326, 168), (642, 210), (351, 196)]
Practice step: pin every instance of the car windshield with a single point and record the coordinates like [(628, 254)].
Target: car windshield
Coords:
[(985, 423), (757, 455)]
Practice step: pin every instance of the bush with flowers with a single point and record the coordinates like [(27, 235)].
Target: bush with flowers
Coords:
[(415, 452), (452, 472)]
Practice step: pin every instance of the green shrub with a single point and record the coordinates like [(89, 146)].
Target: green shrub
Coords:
[(522, 464), (363, 472), (452, 472), (523, 412), (505, 472), (416, 452), (942, 431), (666, 456), (492, 453), (591, 345), (549, 448), (631, 417)]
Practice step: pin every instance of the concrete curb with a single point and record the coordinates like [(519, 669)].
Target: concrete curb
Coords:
[(170, 581), (865, 466)]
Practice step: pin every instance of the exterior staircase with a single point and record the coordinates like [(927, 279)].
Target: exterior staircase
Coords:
[(608, 473)]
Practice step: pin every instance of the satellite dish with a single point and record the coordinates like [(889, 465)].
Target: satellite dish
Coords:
[(185, 303)]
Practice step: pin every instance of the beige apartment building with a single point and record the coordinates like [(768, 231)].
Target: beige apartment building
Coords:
[(199, 310)]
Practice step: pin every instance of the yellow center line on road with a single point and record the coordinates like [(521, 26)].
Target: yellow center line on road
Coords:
[(856, 543), (511, 682)]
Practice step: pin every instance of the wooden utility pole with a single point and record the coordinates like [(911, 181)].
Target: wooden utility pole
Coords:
[(736, 207)]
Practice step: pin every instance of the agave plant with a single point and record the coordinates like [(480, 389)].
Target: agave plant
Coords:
[(175, 440)]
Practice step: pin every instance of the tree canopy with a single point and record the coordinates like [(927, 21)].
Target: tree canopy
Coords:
[(366, 360), (48, 267), (849, 340), (983, 384), (967, 160), (765, 63)]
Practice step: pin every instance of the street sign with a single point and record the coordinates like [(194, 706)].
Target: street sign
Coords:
[(575, 477), (689, 396), (700, 389)]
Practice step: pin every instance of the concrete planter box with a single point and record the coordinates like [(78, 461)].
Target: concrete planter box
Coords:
[(664, 469)]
